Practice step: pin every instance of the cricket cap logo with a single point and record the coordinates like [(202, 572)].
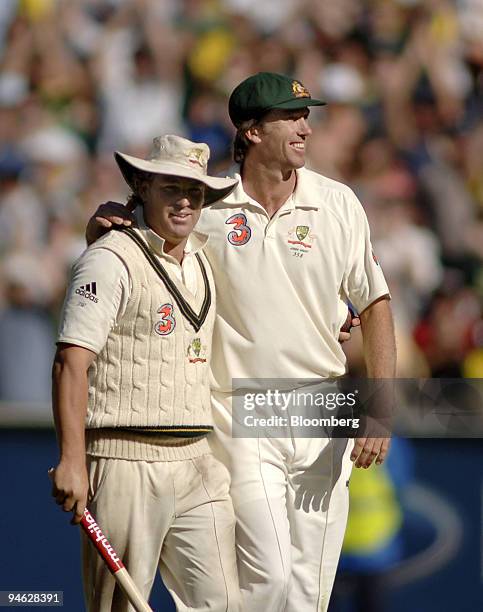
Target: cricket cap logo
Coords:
[(301, 231), (196, 156), (196, 351), (299, 90)]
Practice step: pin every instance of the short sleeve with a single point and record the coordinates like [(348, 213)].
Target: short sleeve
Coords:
[(95, 299), (364, 280)]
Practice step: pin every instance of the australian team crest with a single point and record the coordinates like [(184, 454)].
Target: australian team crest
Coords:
[(196, 156), (196, 351), (299, 90), (300, 240), (302, 231)]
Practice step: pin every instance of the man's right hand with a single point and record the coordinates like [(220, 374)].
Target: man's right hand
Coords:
[(107, 215), (70, 487)]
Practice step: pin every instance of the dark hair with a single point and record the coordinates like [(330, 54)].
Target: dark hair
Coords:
[(135, 199), (241, 143)]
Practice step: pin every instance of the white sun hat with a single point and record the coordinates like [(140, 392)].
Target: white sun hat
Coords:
[(177, 156)]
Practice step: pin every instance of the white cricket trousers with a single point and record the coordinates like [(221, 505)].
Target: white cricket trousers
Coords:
[(291, 502), (175, 515)]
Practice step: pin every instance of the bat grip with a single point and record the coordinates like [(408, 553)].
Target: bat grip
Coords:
[(113, 562), (104, 548)]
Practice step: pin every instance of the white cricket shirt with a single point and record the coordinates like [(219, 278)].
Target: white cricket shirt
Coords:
[(283, 282), (100, 287)]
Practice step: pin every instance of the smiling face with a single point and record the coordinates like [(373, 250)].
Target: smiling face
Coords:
[(172, 206), (282, 135)]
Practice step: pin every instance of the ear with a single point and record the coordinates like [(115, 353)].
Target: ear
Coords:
[(253, 134)]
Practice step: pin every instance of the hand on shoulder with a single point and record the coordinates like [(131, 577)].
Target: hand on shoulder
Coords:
[(107, 215)]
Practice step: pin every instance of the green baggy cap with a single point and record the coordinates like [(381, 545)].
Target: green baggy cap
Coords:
[(266, 90)]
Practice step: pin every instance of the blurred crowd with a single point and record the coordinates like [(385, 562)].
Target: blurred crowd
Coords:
[(403, 127)]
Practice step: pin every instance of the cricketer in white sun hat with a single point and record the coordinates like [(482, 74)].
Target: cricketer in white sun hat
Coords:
[(176, 156)]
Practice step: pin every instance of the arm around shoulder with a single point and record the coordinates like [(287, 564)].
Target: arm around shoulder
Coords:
[(377, 327), (107, 215)]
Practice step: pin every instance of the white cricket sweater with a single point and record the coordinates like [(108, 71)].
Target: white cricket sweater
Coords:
[(151, 379)]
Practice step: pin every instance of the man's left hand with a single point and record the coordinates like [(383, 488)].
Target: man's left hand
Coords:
[(345, 331)]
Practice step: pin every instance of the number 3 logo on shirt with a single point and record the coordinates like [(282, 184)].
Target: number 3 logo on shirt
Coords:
[(241, 232), (167, 323)]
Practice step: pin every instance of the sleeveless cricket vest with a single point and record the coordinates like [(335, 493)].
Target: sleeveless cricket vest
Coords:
[(151, 380)]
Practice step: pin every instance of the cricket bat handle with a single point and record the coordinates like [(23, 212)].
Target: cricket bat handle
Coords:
[(114, 563)]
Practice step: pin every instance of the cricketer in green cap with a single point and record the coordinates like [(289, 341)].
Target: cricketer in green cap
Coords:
[(264, 91)]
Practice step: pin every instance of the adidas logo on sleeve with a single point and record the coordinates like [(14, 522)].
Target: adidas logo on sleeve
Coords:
[(88, 291)]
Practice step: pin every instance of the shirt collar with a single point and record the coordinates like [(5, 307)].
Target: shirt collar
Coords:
[(196, 240), (304, 196), (306, 192), (238, 195)]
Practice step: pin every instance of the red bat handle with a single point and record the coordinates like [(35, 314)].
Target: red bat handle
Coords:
[(100, 541), (115, 565), (113, 562)]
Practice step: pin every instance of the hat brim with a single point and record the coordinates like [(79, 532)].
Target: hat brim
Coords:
[(216, 188), (292, 104), (295, 103)]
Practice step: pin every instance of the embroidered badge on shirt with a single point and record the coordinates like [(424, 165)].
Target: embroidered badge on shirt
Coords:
[(300, 240), (167, 323), (196, 351), (241, 233)]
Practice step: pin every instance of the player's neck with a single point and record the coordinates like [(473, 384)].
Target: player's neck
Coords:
[(269, 187), (175, 250)]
